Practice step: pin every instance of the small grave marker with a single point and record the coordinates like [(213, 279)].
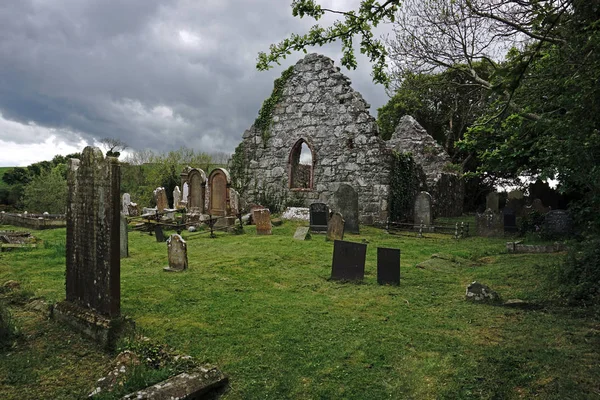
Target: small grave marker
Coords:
[(388, 266), (348, 261), (177, 249), (335, 228), (319, 217), (262, 219)]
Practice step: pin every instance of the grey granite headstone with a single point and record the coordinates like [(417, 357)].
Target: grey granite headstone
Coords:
[(388, 266), (177, 249), (302, 233), (346, 203), (335, 228), (319, 217), (492, 201), (423, 213), (348, 261), (124, 237)]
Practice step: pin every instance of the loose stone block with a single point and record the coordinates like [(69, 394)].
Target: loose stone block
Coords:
[(124, 237), (177, 249), (423, 213), (262, 219), (335, 228), (346, 203), (479, 292), (348, 261), (319, 217), (388, 266), (302, 233)]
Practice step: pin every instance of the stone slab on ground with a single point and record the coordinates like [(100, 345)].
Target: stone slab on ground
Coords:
[(188, 386), (302, 233)]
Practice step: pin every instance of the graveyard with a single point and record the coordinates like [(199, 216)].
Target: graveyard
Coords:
[(264, 310)]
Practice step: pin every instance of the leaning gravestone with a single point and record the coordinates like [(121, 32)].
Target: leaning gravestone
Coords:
[(262, 219), (319, 217), (302, 233), (388, 266), (126, 203), (177, 249), (492, 201), (423, 213), (160, 195), (335, 228), (93, 291), (124, 237), (346, 203), (348, 261)]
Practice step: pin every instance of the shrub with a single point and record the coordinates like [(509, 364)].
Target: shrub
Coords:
[(579, 275), (8, 329)]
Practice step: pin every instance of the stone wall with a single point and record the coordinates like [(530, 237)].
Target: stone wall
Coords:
[(319, 107), (93, 219), (34, 221)]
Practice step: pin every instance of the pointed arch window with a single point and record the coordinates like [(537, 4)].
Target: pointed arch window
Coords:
[(301, 166)]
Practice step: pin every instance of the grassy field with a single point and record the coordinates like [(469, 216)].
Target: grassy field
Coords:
[(263, 309)]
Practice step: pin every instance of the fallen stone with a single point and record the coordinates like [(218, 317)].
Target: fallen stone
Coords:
[(302, 233), (478, 292)]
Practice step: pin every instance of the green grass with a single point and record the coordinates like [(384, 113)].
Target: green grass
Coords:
[(263, 309)]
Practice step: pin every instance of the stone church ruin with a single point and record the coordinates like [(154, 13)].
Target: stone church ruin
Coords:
[(315, 134)]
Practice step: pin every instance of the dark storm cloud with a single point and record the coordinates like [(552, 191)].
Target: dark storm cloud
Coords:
[(155, 74)]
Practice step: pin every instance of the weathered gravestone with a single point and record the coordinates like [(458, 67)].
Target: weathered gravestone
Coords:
[(176, 197), (302, 233), (93, 291), (510, 219), (423, 213), (197, 190), (489, 224), (219, 182), (124, 237), (335, 228), (177, 249), (134, 210), (388, 266), (346, 203), (348, 261), (492, 201), (262, 219), (160, 195), (479, 292), (319, 217), (126, 203), (557, 223), (538, 206)]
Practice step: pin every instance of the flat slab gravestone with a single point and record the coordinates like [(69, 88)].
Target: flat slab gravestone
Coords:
[(177, 249), (346, 203), (335, 228), (262, 219), (348, 261), (388, 266), (319, 217), (302, 233)]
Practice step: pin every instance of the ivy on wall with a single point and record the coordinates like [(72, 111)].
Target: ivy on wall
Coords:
[(265, 115), (237, 168), (405, 179)]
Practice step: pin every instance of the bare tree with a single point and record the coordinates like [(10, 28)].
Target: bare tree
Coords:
[(114, 146)]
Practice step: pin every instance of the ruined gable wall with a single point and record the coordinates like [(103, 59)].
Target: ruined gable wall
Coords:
[(319, 106)]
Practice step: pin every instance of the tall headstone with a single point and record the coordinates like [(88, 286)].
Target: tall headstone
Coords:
[(335, 228), (319, 217), (348, 261), (492, 201), (126, 203), (388, 266), (93, 229), (176, 197), (346, 203), (124, 237), (510, 220), (219, 183), (177, 250), (160, 195), (185, 194), (262, 219), (197, 187), (423, 213)]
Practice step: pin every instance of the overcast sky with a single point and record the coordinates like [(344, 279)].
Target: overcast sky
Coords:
[(156, 74)]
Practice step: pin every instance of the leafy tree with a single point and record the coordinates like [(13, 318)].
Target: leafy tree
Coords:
[(47, 192)]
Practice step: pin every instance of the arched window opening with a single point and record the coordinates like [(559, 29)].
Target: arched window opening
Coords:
[(301, 166)]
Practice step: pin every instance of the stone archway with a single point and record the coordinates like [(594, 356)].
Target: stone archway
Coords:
[(301, 166)]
